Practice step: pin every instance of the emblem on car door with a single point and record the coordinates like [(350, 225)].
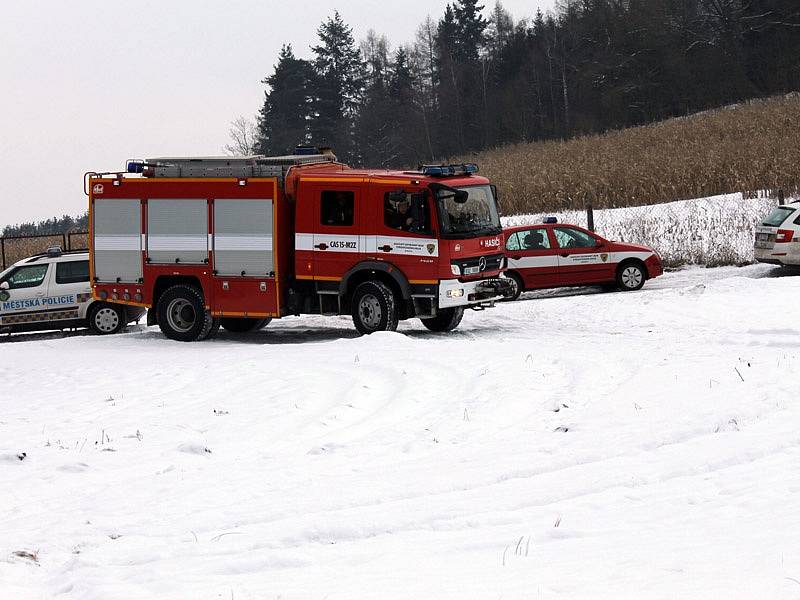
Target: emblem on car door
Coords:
[(604, 257), (431, 248)]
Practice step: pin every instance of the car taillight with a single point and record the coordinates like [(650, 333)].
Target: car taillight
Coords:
[(784, 235)]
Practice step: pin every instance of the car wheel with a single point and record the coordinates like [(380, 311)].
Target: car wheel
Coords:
[(182, 315), (631, 276), (519, 287), (241, 324), (446, 319), (105, 319), (373, 308)]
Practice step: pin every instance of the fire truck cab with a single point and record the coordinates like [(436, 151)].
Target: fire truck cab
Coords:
[(236, 242)]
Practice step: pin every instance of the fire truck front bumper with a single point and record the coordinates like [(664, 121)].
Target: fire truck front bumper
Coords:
[(453, 292)]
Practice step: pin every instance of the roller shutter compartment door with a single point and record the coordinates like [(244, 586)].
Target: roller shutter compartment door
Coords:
[(243, 238), (117, 240), (177, 230)]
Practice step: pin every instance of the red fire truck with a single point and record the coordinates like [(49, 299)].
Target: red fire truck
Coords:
[(236, 242)]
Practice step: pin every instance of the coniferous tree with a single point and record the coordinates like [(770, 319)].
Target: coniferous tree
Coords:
[(373, 126), (284, 117), (338, 88)]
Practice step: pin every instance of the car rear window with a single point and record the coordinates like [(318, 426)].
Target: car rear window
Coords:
[(76, 271), (777, 216)]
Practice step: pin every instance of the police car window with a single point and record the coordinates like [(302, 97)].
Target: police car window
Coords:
[(534, 239), (573, 238), (512, 243), (27, 277), (337, 208), (405, 211), (76, 271)]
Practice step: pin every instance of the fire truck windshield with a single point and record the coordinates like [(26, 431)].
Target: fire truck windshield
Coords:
[(469, 211)]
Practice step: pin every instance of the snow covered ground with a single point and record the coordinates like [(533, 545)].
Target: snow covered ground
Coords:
[(568, 445)]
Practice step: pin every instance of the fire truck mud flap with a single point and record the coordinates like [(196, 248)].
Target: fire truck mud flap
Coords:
[(453, 292)]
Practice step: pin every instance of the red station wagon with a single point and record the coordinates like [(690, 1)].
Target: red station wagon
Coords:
[(553, 255)]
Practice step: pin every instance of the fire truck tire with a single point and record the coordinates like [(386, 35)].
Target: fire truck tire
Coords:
[(182, 315), (631, 276), (446, 319), (212, 331), (105, 319), (519, 287), (241, 325), (374, 308)]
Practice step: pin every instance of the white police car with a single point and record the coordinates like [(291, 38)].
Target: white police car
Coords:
[(778, 237), (52, 291)]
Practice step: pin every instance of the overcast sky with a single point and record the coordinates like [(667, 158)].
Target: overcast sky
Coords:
[(89, 84)]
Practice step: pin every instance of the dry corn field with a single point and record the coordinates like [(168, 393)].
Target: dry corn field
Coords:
[(17, 248), (742, 148)]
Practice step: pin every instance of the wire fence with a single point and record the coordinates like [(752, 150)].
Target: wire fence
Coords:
[(712, 231), (13, 249)]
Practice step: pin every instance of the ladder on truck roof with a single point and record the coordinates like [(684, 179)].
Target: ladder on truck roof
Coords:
[(224, 166)]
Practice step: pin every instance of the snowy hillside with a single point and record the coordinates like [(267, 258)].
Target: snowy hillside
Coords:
[(706, 231), (568, 445)]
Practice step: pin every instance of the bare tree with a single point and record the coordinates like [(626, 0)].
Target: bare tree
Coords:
[(243, 137)]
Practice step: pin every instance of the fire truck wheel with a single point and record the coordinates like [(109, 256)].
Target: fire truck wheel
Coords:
[(374, 308), (446, 319), (518, 286), (212, 331), (241, 325), (631, 276), (182, 315), (106, 318)]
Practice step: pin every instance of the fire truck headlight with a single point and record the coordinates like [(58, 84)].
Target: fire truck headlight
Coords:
[(455, 293), (455, 269)]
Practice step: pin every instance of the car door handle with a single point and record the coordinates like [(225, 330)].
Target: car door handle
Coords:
[(515, 257), (321, 246), (565, 255), (385, 248), (39, 294)]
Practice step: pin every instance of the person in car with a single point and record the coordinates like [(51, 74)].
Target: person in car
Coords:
[(534, 241)]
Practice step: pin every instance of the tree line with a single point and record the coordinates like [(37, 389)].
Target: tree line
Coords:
[(476, 79), (53, 226)]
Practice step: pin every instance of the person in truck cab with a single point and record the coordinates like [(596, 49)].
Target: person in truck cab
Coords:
[(340, 211), (401, 218)]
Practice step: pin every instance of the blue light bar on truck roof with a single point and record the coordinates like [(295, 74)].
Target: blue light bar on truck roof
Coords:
[(550, 220), (449, 170), (135, 166)]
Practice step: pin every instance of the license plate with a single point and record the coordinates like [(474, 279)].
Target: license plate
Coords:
[(762, 237), (762, 245)]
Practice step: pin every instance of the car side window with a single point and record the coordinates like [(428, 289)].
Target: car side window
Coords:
[(337, 208), (534, 239), (567, 237), (27, 277), (76, 271), (512, 243)]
